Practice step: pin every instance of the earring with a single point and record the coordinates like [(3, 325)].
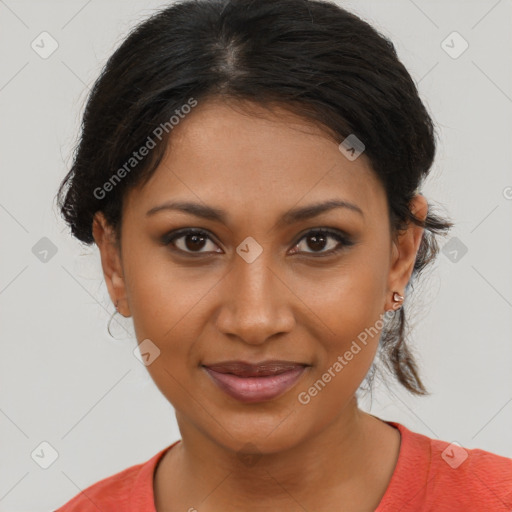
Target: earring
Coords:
[(112, 317), (397, 298)]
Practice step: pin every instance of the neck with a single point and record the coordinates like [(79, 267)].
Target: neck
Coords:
[(340, 460)]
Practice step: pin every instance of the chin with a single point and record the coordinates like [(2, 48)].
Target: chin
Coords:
[(260, 433)]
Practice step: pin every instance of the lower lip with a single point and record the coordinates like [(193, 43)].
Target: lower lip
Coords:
[(256, 389)]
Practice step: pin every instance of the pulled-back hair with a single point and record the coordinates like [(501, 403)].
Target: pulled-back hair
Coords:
[(309, 56)]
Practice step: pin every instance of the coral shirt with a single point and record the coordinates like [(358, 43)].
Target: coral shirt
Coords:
[(430, 475)]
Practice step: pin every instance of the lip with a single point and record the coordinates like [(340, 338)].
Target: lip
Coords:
[(258, 382)]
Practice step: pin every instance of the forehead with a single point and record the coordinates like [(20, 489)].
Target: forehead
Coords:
[(245, 156)]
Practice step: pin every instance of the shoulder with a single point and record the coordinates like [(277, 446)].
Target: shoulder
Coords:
[(483, 476), (129, 489), (444, 473), (107, 495)]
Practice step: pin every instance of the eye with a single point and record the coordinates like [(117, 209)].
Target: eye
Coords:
[(319, 239), (190, 241), (195, 242)]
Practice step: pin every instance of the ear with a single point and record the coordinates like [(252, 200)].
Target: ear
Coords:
[(405, 249), (104, 237)]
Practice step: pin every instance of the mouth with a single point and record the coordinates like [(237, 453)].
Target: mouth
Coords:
[(258, 382)]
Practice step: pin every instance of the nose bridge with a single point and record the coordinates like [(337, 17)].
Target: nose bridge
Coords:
[(256, 281), (255, 306)]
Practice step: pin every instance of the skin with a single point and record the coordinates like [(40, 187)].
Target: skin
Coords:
[(287, 304)]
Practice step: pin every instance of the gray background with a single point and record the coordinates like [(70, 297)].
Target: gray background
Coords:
[(63, 380)]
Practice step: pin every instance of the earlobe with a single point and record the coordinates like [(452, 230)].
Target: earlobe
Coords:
[(104, 238)]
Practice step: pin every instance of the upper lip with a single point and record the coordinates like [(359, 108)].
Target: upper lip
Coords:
[(263, 368)]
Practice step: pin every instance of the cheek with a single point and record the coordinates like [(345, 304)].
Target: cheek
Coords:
[(167, 307), (165, 310), (162, 296), (347, 352), (349, 302)]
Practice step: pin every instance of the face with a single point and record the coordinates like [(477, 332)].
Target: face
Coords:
[(267, 278)]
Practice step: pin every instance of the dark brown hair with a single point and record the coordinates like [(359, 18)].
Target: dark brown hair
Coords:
[(311, 57)]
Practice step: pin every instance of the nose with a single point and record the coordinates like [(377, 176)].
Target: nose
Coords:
[(256, 303)]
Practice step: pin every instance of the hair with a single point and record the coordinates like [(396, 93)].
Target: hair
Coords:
[(311, 57)]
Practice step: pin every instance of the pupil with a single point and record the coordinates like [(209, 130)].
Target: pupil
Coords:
[(317, 239), (196, 239)]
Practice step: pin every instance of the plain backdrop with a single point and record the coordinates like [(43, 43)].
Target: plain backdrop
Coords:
[(64, 381)]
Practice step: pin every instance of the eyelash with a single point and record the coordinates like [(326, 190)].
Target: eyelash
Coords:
[(343, 239)]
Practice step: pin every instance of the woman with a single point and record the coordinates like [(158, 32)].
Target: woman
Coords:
[(250, 172)]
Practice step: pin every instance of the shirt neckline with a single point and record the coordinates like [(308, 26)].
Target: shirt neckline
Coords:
[(410, 475), (411, 457)]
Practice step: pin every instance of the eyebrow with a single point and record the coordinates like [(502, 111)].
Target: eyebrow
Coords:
[(289, 217)]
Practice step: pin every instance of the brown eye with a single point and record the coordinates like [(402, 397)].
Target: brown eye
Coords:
[(190, 241), (318, 240)]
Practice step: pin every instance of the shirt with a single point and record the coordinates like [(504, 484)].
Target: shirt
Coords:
[(430, 475)]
